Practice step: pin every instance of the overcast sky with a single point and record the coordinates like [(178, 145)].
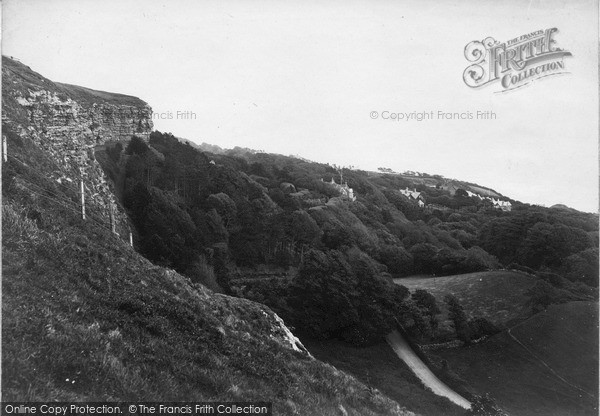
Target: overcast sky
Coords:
[(303, 78)]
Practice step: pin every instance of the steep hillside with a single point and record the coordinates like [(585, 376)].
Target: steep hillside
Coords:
[(85, 317), (547, 365), (379, 366), (67, 123), (565, 337)]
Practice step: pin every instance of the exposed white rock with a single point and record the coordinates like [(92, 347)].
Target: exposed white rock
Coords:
[(293, 340)]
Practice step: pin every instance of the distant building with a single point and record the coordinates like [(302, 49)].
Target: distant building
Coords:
[(413, 195), (450, 187), (471, 194), (503, 205), (345, 191)]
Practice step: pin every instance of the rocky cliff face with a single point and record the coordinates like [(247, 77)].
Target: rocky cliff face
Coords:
[(68, 123), (61, 110)]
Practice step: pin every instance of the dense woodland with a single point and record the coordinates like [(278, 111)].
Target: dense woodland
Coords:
[(218, 217)]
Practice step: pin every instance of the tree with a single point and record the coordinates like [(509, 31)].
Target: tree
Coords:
[(428, 304), (137, 146), (477, 259), (426, 301), (481, 327), (322, 294), (583, 267), (225, 207), (303, 228), (423, 257), (548, 244), (543, 294), (398, 261), (458, 317), (461, 193), (335, 297)]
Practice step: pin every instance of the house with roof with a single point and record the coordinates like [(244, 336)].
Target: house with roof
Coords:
[(413, 195), (345, 191), (450, 187), (503, 205), (471, 194)]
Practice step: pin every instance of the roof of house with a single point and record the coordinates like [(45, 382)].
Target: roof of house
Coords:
[(411, 194)]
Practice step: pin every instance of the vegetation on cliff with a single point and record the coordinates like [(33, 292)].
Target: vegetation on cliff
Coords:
[(221, 219)]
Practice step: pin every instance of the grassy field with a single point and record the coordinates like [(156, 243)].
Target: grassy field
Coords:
[(378, 366), (498, 295), (565, 338)]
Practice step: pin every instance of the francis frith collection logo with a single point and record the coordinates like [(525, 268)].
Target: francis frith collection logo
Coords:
[(514, 63)]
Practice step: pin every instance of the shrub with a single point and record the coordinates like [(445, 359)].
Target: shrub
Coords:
[(485, 406), (481, 327), (543, 294), (16, 226), (203, 273)]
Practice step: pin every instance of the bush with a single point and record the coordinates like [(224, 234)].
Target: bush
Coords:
[(17, 227), (543, 294), (480, 327), (203, 273), (485, 406)]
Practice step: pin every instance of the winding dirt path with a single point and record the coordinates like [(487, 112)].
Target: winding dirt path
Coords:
[(430, 380)]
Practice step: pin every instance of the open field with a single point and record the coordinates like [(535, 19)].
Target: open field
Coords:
[(565, 337), (550, 369), (498, 296)]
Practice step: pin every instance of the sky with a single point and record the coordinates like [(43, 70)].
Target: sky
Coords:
[(321, 80)]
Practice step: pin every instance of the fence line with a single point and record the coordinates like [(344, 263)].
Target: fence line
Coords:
[(69, 204)]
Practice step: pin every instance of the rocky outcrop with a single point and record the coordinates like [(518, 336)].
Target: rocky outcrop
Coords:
[(59, 116), (68, 123)]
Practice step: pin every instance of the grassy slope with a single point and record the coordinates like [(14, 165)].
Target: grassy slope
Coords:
[(26, 79), (379, 367), (496, 295), (84, 317), (573, 349), (519, 381)]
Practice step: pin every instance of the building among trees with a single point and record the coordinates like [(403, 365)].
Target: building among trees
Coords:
[(413, 195), (345, 191)]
